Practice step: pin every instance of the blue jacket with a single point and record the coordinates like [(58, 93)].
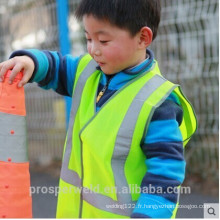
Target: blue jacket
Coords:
[(162, 145)]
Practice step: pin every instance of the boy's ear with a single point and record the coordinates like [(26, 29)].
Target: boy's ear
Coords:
[(145, 37)]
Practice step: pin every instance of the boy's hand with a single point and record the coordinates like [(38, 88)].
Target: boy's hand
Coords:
[(17, 64)]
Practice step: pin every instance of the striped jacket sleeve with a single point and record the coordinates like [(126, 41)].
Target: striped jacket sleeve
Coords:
[(52, 70), (165, 162)]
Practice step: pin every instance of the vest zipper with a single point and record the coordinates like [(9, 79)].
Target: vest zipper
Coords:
[(101, 93)]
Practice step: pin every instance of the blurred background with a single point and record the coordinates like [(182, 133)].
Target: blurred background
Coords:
[(187, 48)]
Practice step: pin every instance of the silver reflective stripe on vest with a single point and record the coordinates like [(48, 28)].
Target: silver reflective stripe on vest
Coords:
[(105, 203), (13, 138), (68, 175), (124, 139)]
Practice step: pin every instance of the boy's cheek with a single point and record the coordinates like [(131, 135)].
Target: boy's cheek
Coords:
[(89, 49)]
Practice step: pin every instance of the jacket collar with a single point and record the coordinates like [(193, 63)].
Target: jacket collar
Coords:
[(121, 78)]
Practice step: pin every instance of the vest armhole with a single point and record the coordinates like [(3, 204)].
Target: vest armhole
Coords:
[(152, 113)]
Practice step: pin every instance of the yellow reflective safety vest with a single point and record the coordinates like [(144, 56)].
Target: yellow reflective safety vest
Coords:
[(102, 154)]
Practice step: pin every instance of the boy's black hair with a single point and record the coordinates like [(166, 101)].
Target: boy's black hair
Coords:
[(127, 14)]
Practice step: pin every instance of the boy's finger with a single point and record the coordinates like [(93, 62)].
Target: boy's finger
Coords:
[(5, 66), (25, 78), (1, 75), (17, 68)]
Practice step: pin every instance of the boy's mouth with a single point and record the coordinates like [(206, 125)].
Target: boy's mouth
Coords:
[(100, 63)]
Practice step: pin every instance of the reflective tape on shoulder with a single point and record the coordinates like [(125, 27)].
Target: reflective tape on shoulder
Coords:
[(68, 175)]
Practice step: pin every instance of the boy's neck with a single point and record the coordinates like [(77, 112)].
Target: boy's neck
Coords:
[(142, 66), (146, 57)]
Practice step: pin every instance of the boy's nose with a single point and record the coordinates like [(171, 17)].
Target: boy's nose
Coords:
[(95, 51)]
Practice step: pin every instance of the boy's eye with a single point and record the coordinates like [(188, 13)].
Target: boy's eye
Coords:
[(88, 40), (104, 41)]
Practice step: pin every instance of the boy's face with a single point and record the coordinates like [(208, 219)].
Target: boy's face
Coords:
[(114, 49)]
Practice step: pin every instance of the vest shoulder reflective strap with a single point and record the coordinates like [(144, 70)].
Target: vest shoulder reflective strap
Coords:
[(82, 64), (69, 178), (85, 68), (189, 123)]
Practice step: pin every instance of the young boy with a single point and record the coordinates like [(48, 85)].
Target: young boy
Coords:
[(124, 150)]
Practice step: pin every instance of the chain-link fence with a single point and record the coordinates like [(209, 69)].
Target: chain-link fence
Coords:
[(187, 49)]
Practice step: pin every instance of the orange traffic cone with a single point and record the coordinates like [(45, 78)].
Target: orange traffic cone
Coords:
[(15, 197)]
